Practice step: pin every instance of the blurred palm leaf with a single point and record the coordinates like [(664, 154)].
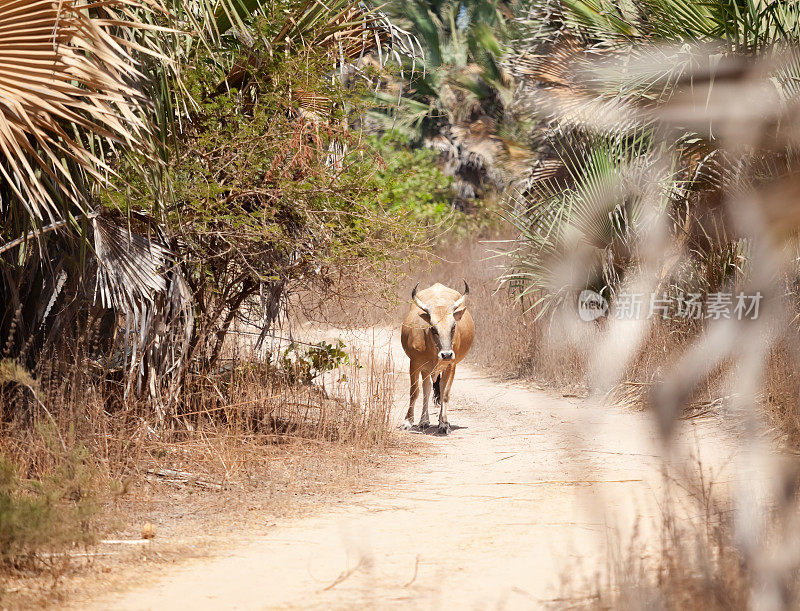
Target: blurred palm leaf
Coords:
[(741, 24), (607, 71), (578, 217)]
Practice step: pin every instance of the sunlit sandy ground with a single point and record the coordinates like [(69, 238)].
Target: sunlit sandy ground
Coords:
[(522, 502)]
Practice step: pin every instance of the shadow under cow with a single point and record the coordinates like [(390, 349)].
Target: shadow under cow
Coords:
[(433, 429)]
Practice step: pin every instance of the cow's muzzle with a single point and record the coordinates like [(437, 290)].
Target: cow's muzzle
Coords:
[(446, 355)]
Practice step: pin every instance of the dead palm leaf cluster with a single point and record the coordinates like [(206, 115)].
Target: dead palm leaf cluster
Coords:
[(73, 103)]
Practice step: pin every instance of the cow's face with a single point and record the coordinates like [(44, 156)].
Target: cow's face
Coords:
[(442, 330), (442, 322)]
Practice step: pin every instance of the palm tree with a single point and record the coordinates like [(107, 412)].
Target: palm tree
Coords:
[(596, 68), (73, 102), (457, 104), (586, 202)]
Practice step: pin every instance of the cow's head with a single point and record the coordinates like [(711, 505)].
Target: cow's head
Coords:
[(442, 320)]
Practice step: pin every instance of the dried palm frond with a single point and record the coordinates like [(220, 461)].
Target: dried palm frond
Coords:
[(130, 267), (137, 276), (70, 90)]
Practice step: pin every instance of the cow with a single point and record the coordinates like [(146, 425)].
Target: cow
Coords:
[(436, 335)]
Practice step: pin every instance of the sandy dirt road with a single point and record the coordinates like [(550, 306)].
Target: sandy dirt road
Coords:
[(526, 492)]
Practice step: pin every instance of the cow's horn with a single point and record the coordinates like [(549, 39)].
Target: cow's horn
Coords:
[(416, 300), (460, 301)]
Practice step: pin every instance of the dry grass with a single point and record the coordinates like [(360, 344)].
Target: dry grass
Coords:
[(701, 559), (695, 564), (667, 343), (663, 346), (246, 447), (781, 388)]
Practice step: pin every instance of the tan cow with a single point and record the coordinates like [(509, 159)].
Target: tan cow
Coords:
[(436, 336)]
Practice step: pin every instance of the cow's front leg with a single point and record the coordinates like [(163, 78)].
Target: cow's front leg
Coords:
[(445, 382), (425, 419), (413, 394)]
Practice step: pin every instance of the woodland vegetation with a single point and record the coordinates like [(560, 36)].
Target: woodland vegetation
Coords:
[(171, 171)]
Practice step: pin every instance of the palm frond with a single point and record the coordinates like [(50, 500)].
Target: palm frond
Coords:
[(742, 25), (578, 214), (137, 277), (130, 267), (70, 92)]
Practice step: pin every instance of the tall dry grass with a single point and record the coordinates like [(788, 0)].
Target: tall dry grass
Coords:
[(245, 429), (695, 565)]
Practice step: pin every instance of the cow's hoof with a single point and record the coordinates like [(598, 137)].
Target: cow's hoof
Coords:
[(444, 428), (406, 425), (423, 426)]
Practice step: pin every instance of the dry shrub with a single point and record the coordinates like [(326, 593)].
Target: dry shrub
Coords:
[(667, 342), (664, 344), (781, 388), (696, 564), (240, 428)]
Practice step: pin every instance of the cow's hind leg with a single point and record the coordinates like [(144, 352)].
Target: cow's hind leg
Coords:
[(444, 382), (413, 394), (437, 389)]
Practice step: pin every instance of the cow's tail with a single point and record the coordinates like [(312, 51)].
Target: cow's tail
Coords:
[(437, 389)]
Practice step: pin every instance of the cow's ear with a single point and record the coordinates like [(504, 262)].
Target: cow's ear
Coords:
[(459, 313), (425, 316)]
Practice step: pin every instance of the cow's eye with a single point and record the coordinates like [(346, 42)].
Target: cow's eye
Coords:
[(434, 330)]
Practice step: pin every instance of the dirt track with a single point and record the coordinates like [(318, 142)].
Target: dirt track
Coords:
[(527, 491)]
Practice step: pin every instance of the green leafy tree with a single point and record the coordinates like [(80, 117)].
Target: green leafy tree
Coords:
[(411, 181)]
